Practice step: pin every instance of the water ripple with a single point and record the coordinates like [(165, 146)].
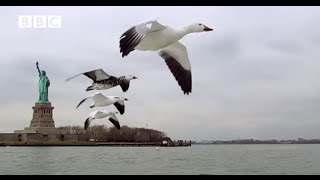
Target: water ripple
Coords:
[(197, 160)]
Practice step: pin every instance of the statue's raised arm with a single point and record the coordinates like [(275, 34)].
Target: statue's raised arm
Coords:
[(37, 63)]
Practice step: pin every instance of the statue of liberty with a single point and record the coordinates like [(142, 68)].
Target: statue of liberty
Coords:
[(44, 84)]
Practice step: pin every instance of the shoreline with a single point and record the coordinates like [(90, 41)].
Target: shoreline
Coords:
[(85, 143)]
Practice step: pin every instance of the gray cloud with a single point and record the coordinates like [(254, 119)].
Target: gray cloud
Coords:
[(255, 75)]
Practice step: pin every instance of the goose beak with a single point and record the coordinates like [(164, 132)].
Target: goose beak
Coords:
[(126, 99), (135, 77), (89, 88), (207, 28)]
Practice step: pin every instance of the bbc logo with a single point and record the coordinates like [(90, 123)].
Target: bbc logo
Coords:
[(39, 21)]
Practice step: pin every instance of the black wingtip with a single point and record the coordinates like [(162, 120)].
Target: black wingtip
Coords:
[(122, 52), (81, 102), (115, 123), (125, 84), (129, 40), (86, 124), (187, 92), (182, 76), (68, 79), (121, 108)]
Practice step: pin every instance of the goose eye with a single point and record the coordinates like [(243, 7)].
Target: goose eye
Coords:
[(199, 24)]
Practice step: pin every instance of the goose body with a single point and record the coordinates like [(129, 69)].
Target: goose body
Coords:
[(100, 100), (158, 40)]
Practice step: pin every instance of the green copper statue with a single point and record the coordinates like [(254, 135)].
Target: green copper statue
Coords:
[(44, 84)]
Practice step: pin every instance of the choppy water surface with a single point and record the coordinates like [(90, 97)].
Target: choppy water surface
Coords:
[(198, 159)]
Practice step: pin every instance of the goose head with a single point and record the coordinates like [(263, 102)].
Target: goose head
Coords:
[(130, 77), (122, 99), (199, 27), (114, 112), (91, 87)]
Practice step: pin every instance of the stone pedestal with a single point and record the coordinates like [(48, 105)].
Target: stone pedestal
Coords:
[(42, 116), (42, 120)]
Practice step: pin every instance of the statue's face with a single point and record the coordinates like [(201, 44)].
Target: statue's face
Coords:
[(43, 73)]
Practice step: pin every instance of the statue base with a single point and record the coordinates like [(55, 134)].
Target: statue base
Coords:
[(42, 121), (43, 130), (42, 116)]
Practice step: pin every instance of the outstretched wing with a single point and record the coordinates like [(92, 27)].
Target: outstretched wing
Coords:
[(91, 117), (120, 106), (176, 58), (95, 75), (98, 97), (87, 123), (114, 121), (82, 101), (125, 85), (133, 36)]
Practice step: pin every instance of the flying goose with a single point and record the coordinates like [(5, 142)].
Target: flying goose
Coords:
[(99, 114), (153, 36), (102, 80), (99, 100)]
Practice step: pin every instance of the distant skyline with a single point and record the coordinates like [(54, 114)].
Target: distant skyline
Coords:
[(255, 76)]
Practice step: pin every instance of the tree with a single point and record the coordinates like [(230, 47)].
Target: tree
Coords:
[(112, 134)]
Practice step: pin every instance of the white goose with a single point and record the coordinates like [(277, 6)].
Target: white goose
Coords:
[(99, 114), (153, 36), (100, 100)]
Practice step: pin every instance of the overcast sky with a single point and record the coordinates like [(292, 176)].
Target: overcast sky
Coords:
[(255, 76)]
